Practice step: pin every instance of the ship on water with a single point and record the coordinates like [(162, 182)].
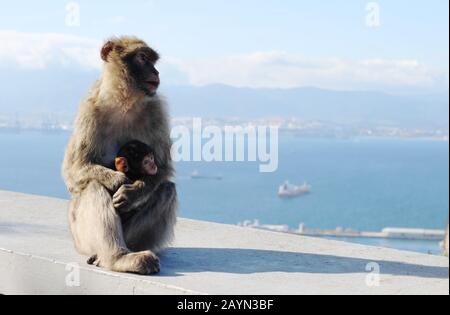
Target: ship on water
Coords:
[(288, 190), (196, 175)]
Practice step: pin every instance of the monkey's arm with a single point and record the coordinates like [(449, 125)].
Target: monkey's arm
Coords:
[(110, 179), (80, 165), (79, 171)]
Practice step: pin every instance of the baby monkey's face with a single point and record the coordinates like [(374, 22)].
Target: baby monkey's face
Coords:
[(149, 166)]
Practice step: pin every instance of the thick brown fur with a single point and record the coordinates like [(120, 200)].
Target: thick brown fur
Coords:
[(114, 113)]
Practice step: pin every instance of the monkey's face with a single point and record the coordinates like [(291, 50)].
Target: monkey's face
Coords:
[(141, 66), (149, 166), (139, 63)]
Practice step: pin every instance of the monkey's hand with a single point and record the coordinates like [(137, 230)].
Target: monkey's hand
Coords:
[(116, 181), (126, 198)]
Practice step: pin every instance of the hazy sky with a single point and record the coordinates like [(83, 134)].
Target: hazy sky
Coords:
[(269, 43)]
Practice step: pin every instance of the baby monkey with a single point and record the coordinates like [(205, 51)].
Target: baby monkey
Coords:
[(136, 160)]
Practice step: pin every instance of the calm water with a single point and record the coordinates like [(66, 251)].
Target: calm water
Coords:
[(361, 184)]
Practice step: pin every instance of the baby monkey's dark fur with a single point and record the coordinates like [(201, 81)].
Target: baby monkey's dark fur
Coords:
[(134, 153)]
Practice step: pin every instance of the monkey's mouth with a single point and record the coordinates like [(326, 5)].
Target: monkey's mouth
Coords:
[(153, 85), (154, 170)]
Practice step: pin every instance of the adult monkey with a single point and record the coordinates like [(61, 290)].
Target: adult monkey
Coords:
[(122, 106)]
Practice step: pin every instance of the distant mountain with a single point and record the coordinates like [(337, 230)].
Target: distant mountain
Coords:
[(58, 91), (54, 91), (311, 104)]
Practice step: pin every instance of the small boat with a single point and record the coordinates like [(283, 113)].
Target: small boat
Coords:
[(196, 175), (287, 190)]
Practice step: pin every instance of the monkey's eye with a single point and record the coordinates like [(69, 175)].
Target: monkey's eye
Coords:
[(142, 58), (147, 161)]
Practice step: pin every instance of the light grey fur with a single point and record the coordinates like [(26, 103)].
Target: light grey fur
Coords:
[(113, 114)]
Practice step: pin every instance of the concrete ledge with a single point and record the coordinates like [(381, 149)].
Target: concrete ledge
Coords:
[(36, 257)]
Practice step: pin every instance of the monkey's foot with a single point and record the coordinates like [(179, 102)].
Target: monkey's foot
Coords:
[(142, 263), (93, 261), (148, 264)]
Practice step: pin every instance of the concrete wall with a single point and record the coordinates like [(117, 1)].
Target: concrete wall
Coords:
[(37, 257), (446, 243)]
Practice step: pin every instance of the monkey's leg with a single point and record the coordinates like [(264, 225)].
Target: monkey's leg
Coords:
[(152, 226), (97, 230)]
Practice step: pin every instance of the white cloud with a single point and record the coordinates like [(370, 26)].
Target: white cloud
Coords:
[(262, 69), (40, 51), (282, 70)]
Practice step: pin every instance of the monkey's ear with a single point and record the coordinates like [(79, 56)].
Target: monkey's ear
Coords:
[(122, 165), (106, 50)]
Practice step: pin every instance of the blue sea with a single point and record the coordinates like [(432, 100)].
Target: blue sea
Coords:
[(364, 184)]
